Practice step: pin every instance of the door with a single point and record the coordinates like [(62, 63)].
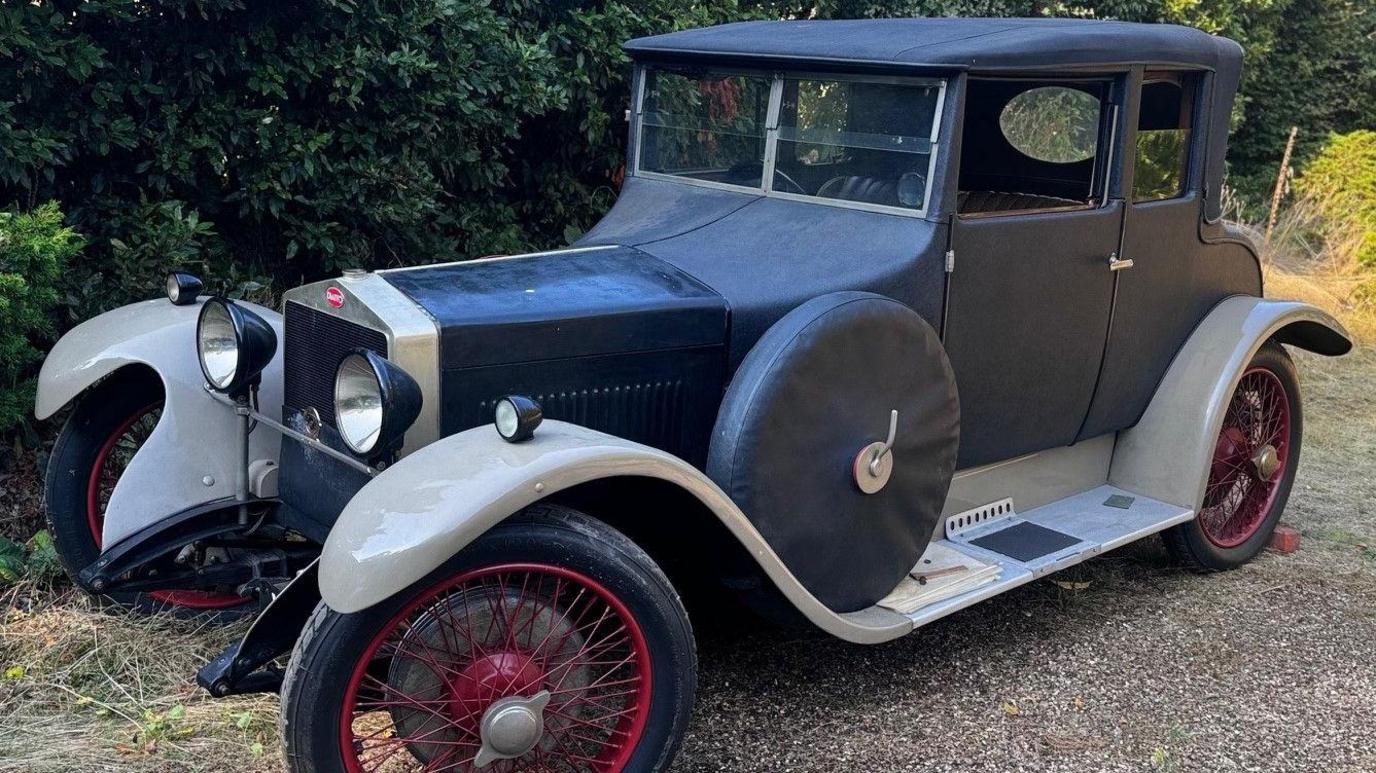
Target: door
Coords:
[(1027, 315), (1029, 297), (1175, 278)]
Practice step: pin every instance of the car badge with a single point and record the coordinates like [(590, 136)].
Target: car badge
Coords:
[(335, 297), (312, 419)]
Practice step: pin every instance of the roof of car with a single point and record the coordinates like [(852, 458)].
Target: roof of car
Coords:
[(992, 45)]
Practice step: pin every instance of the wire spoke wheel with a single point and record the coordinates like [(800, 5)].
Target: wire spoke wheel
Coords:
[(110, 463), (1249, 460), (501, 668)]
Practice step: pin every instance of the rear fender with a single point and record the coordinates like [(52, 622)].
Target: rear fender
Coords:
[(1166, 456), (189, 459), (423, 510)]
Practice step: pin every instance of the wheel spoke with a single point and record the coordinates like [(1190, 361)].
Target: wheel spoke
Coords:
[(496, 633), (1236, 500)]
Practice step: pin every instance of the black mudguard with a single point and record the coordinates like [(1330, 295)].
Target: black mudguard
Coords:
[(236, 670)]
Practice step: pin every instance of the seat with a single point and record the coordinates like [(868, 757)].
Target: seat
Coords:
[(857, 187), (972, 202)]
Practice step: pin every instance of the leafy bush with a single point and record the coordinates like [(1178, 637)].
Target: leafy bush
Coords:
[(260, 142), (272, 143), (1342, 181), (35, 249)]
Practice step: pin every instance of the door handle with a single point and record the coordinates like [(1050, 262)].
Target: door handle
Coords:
[(1116, 263)]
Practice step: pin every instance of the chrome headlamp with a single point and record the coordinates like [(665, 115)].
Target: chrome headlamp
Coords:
[(234, 345), (183, 289), (374, 401)]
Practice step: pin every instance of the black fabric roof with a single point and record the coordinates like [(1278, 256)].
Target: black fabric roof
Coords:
[(993, 45)]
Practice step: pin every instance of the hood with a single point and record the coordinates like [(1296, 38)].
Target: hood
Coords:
[(562, 304)]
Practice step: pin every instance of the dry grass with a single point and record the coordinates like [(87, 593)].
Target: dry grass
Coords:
[(92, 690), (1313, 260)]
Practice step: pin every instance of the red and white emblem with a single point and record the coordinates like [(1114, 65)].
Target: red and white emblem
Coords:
[(335, 297)]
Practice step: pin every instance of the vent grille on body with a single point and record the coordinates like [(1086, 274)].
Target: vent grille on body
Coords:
[(315, 343), (651, 413)]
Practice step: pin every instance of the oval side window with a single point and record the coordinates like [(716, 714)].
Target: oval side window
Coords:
[(1055, 124)]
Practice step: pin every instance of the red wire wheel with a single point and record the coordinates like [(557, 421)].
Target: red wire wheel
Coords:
[(1249, 462), (110, 462), (546, 649)]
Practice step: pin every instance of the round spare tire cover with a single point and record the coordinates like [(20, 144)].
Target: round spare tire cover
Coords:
[(815, 390)]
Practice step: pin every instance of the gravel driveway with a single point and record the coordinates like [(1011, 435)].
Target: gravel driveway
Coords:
[(1126, 664)]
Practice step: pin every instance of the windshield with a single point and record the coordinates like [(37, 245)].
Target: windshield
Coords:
[(860, 143), (707, 127)]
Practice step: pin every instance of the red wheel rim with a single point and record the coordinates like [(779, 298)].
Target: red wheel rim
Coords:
[(1238, 498), (416, 698), (105, 473)]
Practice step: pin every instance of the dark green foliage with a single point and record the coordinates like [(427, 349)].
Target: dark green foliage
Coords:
[(35, 251), (1320, 76), (257, 141), (264, 144)]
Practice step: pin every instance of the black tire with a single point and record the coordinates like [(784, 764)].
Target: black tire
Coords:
[(330, 648), (1189, 543), (96, 417)]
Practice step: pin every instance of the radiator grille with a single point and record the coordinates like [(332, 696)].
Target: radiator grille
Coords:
[(315, 343)]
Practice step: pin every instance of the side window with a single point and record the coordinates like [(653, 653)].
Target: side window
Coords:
[(1030, 146), (1163, 137), (1055, 124)]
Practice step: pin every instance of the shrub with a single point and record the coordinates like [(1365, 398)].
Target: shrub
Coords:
[(35, 249), (1341, 180), (261, 142)]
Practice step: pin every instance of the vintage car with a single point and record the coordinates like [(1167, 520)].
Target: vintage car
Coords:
[(891, 316)]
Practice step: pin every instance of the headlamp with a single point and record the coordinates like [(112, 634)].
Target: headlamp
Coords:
[(234, 345)]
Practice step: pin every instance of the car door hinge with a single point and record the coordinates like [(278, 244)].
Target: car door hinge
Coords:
[(950, 261)]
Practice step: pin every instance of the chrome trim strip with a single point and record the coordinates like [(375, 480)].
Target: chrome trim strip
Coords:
[(495, 258), (413, 339)]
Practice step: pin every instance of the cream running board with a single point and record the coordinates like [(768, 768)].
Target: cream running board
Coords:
[(1025, 546)]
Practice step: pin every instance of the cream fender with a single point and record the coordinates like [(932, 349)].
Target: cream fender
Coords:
[(424, 509), (1166, 455), (177, 468)]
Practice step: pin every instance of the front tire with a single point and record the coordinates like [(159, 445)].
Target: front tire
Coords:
[(552, 611), (107, 426), (1261, 434)]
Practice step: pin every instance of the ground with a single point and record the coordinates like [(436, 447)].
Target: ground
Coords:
[(1124, 663)]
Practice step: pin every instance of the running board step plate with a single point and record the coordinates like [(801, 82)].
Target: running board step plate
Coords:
[(1052, 537)]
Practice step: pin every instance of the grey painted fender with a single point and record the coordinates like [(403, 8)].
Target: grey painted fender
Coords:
[(194, 441), (1166, 456), (424, 509)]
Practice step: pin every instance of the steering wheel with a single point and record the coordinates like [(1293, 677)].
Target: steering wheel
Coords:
[(750, 169)]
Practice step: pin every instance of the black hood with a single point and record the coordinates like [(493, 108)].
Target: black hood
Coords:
[(561, 305)]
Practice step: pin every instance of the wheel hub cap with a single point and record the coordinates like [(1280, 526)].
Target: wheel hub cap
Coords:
[(511, 727), (1266, 461)]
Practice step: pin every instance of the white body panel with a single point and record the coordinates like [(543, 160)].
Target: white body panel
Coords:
[(194, 441), (425, 508), (1166, 456)]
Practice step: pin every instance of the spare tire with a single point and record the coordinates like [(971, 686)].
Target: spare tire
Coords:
[(813, 393)]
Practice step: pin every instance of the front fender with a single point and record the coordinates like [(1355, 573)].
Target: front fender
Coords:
[(424, 509), (1166, 456), (189, 459)]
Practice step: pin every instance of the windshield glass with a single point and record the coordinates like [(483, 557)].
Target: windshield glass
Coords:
[(704, 126), (856, 142)]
